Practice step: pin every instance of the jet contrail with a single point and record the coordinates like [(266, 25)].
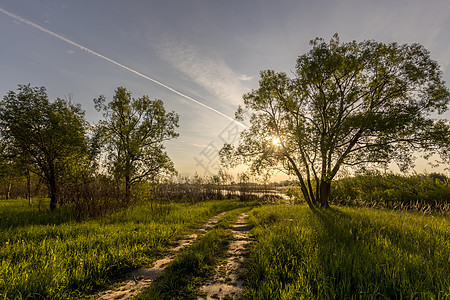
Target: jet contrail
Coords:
[(16, 17)]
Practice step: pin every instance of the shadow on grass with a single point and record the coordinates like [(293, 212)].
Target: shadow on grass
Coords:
[(19, 214), (359, 256), (346, 253)]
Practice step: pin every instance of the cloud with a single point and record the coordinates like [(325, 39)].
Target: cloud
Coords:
[(244, 77), (206, 69), (199, 145)]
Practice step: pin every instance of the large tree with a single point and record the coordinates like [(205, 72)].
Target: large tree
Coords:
[(133, 132), (49, 136), (349, 104)]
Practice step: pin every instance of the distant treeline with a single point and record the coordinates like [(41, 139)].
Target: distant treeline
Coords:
[(220, 186), (373, 189), (101, 193)]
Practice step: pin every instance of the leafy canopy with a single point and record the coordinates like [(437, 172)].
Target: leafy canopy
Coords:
[(133, 133), (48, 136), (349, 104)]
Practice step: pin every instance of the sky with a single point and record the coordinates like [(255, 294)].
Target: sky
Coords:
[(198, 56)]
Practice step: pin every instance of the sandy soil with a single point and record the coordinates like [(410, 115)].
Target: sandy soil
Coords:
[(143, 277), (227, 283)]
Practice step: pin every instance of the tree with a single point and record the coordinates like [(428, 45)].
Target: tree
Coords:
[(133, 132), (47, 135), (349, 104), (13, 168)]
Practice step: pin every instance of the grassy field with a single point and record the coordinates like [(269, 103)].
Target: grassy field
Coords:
[(298, 253), (46, 255), (347, 253)]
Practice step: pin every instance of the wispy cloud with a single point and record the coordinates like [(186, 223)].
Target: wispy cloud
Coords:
[(245, 77), (208, 70)]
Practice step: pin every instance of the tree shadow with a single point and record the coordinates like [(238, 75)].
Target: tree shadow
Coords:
[(362, 257), (20, 217)]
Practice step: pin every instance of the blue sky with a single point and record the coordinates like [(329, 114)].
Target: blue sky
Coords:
[(210, 51)]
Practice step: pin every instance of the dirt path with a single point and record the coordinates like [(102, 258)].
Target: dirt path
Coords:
[(143, 277), (227, 283)]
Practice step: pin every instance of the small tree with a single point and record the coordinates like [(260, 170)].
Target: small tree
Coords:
[(47, 135), (349, 104), (12, 168), (133, 132)]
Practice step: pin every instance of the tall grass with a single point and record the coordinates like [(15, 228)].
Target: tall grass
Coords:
[(50, 256), (422, 192), (18, 213), (345, 253)]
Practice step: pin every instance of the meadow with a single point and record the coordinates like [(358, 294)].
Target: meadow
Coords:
[(344, 253), (297, 253), (48, 255)]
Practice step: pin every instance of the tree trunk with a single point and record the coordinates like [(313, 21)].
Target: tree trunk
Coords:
[(324, 190), (303, 187), (53, 192), (127, 190), (29, 187), (53, 196), (306, 195), (8, 192)]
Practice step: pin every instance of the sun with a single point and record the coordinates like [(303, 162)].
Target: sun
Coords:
[(276, 141)]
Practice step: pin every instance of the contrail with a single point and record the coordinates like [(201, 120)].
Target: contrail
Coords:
[(16, 17)]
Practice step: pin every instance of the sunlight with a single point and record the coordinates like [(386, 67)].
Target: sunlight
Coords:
[(276, 141)]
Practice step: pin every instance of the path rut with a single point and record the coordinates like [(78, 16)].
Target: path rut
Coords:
[(227, 283), (142, 278)]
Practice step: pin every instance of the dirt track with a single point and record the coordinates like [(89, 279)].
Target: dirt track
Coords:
[(143, 277), (227, 284)]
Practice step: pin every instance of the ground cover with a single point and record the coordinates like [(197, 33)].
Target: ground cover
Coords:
[(184, 276), (47, 255), (345, 253), (297, 253)]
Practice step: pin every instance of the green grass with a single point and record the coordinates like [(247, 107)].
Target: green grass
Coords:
[(46, 255), (297, 254), (415, 192), (345, 253), (182, 278), (18, 213)]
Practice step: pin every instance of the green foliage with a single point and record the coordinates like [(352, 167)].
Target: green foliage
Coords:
[(46, 136), (347, 253), (350, 104), (391, 190), (17, 213), (133, 132), (48, 256)]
